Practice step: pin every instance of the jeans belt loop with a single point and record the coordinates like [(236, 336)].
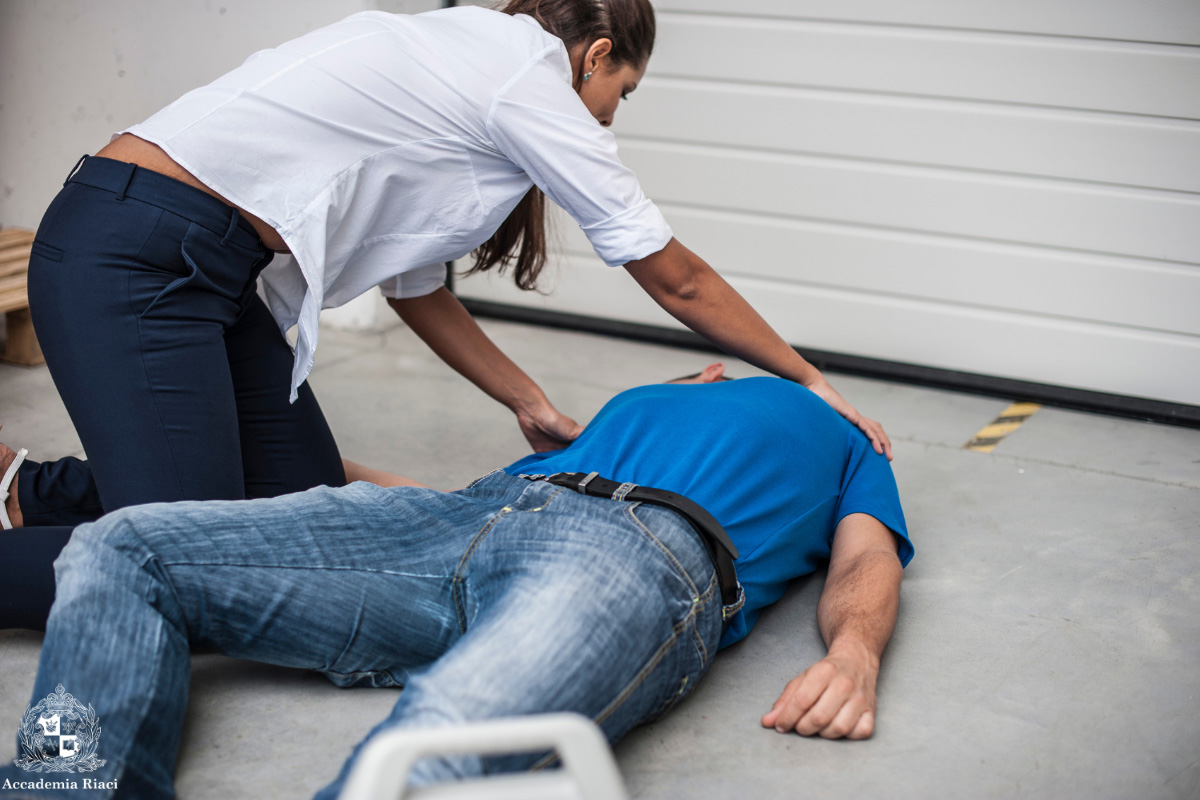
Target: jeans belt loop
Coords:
[(623, 490), (729, 610)]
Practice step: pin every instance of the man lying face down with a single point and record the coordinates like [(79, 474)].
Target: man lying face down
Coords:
[(511, 596)]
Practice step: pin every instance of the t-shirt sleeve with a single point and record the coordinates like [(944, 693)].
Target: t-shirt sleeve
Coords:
[(415, 282), (538, 121), (869, 487)]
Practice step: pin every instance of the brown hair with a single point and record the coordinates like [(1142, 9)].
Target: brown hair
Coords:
[(520, 241)]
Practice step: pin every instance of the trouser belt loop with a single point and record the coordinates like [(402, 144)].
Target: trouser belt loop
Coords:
[(233, 223), (128, 180), (75, 168)]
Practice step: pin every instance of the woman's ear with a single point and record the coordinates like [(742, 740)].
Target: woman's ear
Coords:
[(597, 55)]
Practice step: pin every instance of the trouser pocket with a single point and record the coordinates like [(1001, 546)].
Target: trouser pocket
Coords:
[(46, 251), (200, 279)]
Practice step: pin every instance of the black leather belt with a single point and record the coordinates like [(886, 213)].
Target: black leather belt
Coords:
[(716, 541)]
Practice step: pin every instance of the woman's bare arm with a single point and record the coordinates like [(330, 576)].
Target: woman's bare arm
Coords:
[(451, 332), (691, 291)]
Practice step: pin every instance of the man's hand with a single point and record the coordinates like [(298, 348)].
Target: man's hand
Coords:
[(834, 698), (547, 429), (873, 430)]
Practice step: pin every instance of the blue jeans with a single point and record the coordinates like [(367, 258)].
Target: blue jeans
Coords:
[(508, 597)]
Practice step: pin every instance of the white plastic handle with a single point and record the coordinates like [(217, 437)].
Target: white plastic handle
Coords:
[(589, 771)]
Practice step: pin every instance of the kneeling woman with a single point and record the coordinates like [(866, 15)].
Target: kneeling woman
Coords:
[(364, 154)]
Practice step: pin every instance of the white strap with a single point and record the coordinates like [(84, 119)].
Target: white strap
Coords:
[(5, 482)]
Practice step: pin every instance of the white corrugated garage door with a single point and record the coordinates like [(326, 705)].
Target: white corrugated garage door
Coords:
[(1003, 188)]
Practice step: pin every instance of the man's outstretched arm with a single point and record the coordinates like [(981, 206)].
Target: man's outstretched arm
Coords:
[(835, 697)]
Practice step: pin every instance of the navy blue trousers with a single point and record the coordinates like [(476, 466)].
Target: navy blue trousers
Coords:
[(175, 375)]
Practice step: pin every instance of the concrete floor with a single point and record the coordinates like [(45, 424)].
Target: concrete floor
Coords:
[(1049, 638)]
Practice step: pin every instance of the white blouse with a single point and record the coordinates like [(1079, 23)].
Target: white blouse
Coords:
[(384, 145)]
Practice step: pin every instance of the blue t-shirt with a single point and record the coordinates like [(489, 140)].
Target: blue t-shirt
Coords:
[(771, 461)]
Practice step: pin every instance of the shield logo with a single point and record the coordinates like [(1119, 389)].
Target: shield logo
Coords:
[(59, 734)]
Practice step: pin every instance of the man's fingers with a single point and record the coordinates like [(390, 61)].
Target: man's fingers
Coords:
[(828, 699), (846, 720), (799, 695), (822, 713), (865, 726)]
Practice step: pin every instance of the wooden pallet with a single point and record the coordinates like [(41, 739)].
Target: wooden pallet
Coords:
[(21, 345)]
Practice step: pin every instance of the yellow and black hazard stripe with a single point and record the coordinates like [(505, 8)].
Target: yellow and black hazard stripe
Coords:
[(1009, 420)]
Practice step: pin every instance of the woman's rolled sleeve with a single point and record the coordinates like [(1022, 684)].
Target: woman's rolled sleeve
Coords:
[(630, 235), (415, 282)]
